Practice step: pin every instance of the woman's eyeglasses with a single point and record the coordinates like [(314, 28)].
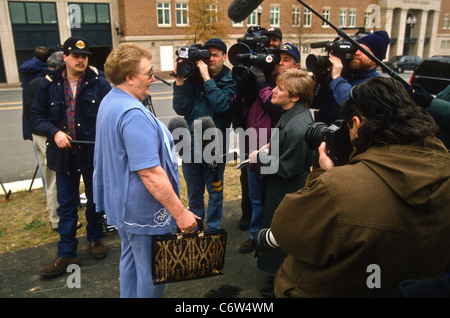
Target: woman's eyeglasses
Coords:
[(150, 75)]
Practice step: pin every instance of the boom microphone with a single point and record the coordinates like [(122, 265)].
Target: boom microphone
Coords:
[(241, 9)]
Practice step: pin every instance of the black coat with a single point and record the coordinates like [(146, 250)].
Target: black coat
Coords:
[(294, 162)]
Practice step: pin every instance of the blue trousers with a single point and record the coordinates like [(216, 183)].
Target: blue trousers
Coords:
[(256, 195), (68, 193), (197, 176), (135, 267)]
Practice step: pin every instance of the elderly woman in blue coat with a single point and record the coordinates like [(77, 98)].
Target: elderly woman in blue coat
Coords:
[(136, 177)]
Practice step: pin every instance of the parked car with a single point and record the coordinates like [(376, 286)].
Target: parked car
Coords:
[(433, 74), (403, 63)]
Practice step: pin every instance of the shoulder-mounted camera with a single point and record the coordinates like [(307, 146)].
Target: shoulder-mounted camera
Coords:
[(187, 56), (251, 50)]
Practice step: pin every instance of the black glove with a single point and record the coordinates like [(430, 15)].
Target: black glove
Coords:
[(419, 95), (257, 73)]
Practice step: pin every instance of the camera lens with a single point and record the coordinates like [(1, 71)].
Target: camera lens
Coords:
[(185, 68), (316, 63), (315, 134)]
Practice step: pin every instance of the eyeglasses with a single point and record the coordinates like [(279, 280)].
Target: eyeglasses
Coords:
[(150, 75)]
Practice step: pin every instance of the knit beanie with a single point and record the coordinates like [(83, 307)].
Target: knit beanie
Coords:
[(377, 42)]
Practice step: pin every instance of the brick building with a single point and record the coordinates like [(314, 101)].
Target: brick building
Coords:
[(420, 27)]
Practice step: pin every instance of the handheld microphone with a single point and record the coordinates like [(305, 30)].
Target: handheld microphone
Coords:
[(241, 9), (177, 122), (208, 122), (174, 123)]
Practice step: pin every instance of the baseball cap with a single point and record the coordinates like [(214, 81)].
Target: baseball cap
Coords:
[(290, 49), (377, 42), (217, 43), (273, 31), (76, 44)]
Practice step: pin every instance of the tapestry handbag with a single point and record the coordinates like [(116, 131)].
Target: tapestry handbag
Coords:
[(185, 256)]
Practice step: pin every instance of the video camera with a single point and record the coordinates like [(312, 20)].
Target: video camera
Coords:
[(251, 50), (187, 56), (340, 48), (336, 137)]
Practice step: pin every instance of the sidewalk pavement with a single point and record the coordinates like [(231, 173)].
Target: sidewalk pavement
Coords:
[(100, 278)]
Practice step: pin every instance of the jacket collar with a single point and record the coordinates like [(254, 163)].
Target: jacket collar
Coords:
[(286, 115)]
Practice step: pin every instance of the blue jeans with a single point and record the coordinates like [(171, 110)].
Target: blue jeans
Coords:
[(256, 194), (68, 193), (197, 176), (135, 267)]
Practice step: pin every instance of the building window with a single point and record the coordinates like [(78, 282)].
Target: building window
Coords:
[(275, 16), (306, 48), (446, 24), (32, 12), (326, 14), (367, 19), (252, 19), (343, 18), (211, 13), (306, 18), (181, 14), (163, 13), (296, 16), (352, 18), (90, 13)]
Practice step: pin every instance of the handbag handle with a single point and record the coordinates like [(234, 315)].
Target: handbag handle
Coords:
[(200, 227)]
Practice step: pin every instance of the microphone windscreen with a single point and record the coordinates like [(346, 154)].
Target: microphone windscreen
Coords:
[(241, 9), (177, 122), (207, 122)]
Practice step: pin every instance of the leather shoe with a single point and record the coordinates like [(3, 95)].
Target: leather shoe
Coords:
[(58, 266), (247, 247), (268, 292), (98, 249)]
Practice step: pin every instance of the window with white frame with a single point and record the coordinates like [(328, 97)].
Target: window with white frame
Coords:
[(163, 13), (352, 18), (181, 14), (307, 14), (211, 12), (252, 19), (275, 16), (367, 17), (445, 24), (296, 16), (326, 14), (342, 18)]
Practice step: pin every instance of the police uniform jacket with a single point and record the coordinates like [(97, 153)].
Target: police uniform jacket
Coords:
[(49, 116)]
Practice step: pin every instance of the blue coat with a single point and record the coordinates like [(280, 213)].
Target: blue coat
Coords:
[(48, 114), (337, 91)]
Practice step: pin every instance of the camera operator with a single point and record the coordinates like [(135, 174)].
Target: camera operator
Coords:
[(259, 113), (275, 37), (361, 68), (207, 93), (387, 207)]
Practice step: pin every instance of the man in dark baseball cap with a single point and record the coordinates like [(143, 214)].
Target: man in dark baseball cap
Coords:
[(76, 44), (215, 42), (275, 37)]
